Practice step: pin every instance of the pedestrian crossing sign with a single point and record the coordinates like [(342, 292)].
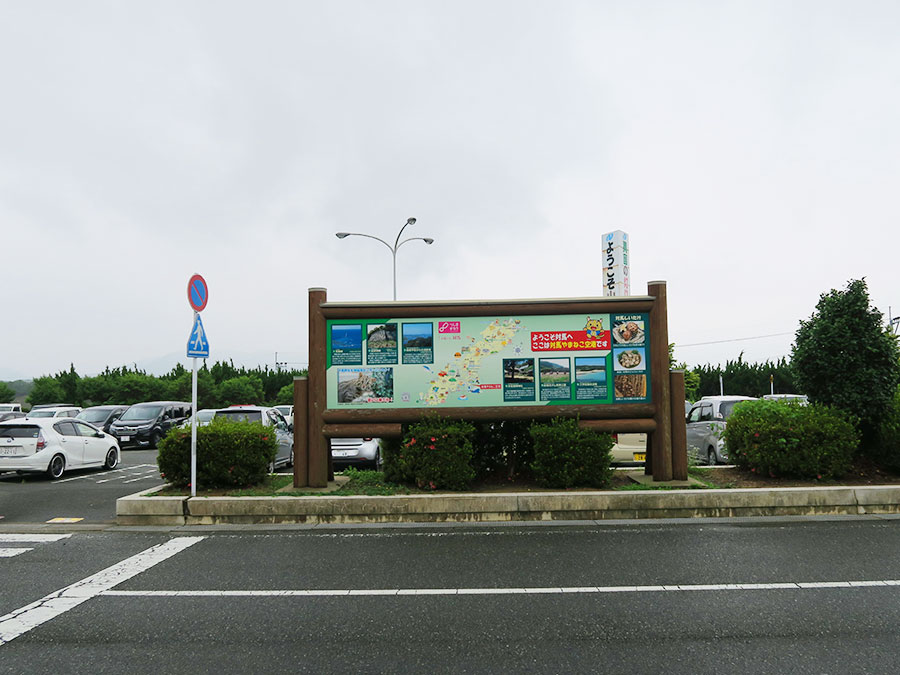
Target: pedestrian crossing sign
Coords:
[(198, 345)]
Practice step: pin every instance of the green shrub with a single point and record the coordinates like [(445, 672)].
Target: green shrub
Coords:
[(565, 455), (229, 454), (435, 454), (888, 452), (778, 439), (503, 449)]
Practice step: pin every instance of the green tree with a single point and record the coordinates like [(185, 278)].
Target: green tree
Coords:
[(844, 356), (285, 395), (6, 393), (241, 389), (46, 390)]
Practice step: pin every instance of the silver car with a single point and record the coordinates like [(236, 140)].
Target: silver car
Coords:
[(269, 417), (706, 424)]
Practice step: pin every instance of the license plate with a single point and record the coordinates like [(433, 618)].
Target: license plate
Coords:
[(640, 457), (124, 438), (11, 450), (343, 453)]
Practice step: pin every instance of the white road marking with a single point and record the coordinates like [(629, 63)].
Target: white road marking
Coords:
[(506, 591), (22, 620), (32, 538), (88, 476), (10, 552)]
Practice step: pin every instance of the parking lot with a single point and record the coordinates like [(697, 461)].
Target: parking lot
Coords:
[(83, 497)]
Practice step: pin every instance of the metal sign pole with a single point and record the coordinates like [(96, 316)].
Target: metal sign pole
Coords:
[(194, 426)]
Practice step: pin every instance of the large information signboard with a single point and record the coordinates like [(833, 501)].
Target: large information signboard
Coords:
[(482, 361)]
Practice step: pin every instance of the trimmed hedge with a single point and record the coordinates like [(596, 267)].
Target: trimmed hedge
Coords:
[(565, 455), (229, 454), (787, 440), (435, 454)]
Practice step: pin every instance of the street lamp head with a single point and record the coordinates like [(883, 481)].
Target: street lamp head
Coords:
[(428, 240), (411, 221), (341, 235)]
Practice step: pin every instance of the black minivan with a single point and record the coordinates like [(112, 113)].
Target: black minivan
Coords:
[(144, 424)]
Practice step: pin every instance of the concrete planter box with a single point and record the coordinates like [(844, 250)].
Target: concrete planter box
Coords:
[(530, 506)]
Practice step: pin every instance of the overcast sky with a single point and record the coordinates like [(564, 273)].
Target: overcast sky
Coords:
[(750, 149)]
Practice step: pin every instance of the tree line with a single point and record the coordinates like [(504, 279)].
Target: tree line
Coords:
[(219, 385)]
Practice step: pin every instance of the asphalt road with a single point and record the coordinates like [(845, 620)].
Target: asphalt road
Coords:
[(88, 495), (774, 596)]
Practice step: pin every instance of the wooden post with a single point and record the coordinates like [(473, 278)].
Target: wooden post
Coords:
[(679, 428), (301, 432), (319, 446), (661, 443)]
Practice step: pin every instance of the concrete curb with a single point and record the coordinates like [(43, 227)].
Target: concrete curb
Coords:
[(545, 506)]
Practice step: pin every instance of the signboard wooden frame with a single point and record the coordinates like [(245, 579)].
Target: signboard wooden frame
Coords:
[(655, 418)]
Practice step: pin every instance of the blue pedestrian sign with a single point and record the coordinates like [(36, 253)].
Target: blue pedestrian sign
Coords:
[(198, 345)]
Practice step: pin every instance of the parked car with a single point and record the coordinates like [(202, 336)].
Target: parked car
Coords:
[(629, 449), (204, 416), (52, 411), (356, 452), (144, 424), (799, 399), (705, 425), (53, 445), (10, 407), (102, 416), (269, 417), (11, 415), (288, 412)]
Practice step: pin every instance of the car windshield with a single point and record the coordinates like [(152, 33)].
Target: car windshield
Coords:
[(41, 413), (727, 407), (205, 415), (92, 415), (283, 409), (142, 412), (241, 415), (6, 407), (19, 431)]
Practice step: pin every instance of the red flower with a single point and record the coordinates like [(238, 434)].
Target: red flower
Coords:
[(756, 435), (433, 439), (431, 447)]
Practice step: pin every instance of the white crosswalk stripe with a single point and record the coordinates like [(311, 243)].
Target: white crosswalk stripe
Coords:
[(12, 551)]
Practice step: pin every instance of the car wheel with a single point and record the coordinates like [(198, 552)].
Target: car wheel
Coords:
[(711, 456), (56, 467), (112, 459), (154, 439)]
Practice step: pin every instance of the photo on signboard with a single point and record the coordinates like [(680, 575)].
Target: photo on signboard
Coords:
[(518, 370), (381, 335), (554, 371), (625, 358), (381, 343), (418, 335), (346, 344), (630, 386), (590, 369), (365, 385), (418, 343), (628, 332)]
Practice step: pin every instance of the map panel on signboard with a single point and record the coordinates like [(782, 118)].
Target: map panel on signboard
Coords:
[(446, 362)]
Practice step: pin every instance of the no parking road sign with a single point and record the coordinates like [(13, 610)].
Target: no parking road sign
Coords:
[(198, 293)]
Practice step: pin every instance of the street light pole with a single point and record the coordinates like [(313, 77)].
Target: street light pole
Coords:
[(393, 249)]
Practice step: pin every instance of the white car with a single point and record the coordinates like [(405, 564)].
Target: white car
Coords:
[(52, 445), (204, 417), (629, 449), (705, 426), (53, 411), (799, 399), (356, 452)]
